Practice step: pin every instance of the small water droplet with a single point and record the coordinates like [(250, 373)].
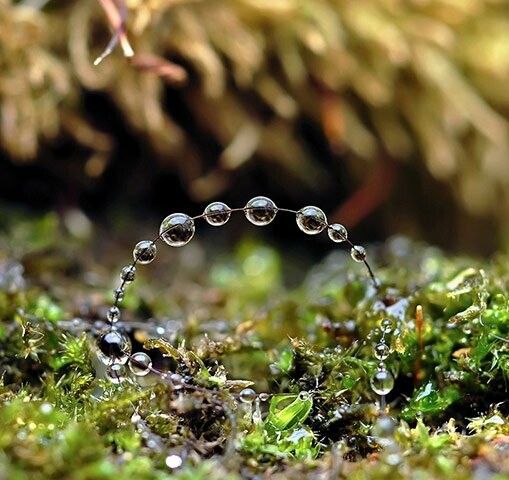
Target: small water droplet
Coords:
[(382, 382), (264, 397), (177, 229), (173, 461), (128, 273), (116, 373), (304, 396), (145, 251), (140, 364), (358, 253), (387, 325), (135, 418), (382, 351), (311, 220), (118, 294), (217, 214), (46, 408), (248, 395), (260, 211), (337, 233), (177, 381), (113, 314)]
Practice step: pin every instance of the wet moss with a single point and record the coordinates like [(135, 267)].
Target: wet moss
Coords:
[(307, 351)]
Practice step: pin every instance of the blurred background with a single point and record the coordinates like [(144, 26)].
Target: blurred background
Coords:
[(391, 115)]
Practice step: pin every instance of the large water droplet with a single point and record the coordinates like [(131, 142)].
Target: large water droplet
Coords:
[(382, 382), (337, 233), (260, 211), (113, 347), (217, 213), (311, 220), (140, 364), (177, 229), (145, 251)]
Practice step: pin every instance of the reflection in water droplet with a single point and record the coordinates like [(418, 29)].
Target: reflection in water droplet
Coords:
[(382, 382), (311, 220), (247, 395)]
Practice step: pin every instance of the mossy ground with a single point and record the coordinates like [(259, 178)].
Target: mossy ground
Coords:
[(309, 347)]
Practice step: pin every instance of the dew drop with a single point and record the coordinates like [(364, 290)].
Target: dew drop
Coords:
[(382, 351), (217, 214), (140, 364), (116, 373), (304, 396), (260, 211), (128, 273), (177, 381), (119, 293), (358, 253), (173, 461), (177, 229), (382, 382), (264, 397), (248, 395), (113, 347), (145, 251), (387, 325), (337, 233), (311, 220), (113, 314)]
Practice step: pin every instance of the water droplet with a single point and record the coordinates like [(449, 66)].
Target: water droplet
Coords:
[(113, 314), (264, 397), (248, 395), (177, 381), (119, 293), (135, 418), (177, 229), (113, 346), (304, 396), (140, 364), (358, 253), (382, 382), (217, 214), (387, 325), (337, 232), (311, 220), (145, 251), (46, 408), (173, 461), (382, 351), (128, 273), (260, 211), (116, 373)]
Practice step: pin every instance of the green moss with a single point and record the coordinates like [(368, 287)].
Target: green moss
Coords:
[(310, 350)]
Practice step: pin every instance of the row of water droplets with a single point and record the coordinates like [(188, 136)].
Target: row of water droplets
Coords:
[(178, 229), (382, 382)]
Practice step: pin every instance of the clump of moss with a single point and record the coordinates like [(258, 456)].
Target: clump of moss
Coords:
[(307, 352)]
